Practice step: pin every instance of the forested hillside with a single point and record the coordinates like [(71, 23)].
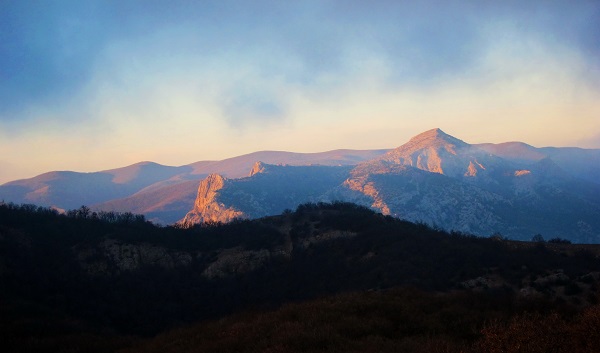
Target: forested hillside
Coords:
[(85, 281)]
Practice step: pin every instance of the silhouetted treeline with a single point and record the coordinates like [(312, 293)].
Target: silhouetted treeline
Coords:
[(15, 211)]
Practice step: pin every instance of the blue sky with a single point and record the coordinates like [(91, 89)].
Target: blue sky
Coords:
[(90, 85)]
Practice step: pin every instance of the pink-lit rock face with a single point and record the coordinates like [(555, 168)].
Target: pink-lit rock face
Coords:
[(471, 170), (426, 151), (437, 152), (207, 208), (257, 168), (523, 172)]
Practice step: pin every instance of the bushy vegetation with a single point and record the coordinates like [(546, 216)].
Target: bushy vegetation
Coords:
[(400, 320)]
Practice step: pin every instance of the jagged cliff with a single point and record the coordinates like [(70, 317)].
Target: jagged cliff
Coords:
[(207, 207)]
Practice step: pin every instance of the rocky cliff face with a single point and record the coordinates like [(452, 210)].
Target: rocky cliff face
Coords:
[(419, 196), (207, 207)]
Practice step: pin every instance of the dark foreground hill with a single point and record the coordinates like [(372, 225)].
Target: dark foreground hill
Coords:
[(326, 277)]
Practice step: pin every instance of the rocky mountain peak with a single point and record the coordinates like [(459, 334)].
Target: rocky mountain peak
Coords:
[(433, 133), (212, 182), (434, 138), (435, 151)]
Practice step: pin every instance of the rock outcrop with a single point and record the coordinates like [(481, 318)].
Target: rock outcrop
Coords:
[(207, 207), (236, 261), (258, 167), (113, 257)]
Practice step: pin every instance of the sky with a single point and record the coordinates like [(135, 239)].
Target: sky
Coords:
[(94, 85)]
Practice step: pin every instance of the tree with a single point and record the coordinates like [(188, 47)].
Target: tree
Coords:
[(83, 212), (538, 238)]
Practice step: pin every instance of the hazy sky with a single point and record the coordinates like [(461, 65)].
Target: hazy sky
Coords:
[(91, 85)]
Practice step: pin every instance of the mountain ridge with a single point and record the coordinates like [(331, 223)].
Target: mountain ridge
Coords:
[(386, 180), (442, 181), (118, 189)]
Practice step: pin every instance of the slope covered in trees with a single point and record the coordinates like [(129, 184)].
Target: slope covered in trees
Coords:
[(107, 281)]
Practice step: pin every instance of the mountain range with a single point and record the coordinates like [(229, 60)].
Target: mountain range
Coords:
[(511, 188), (163, 193)]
